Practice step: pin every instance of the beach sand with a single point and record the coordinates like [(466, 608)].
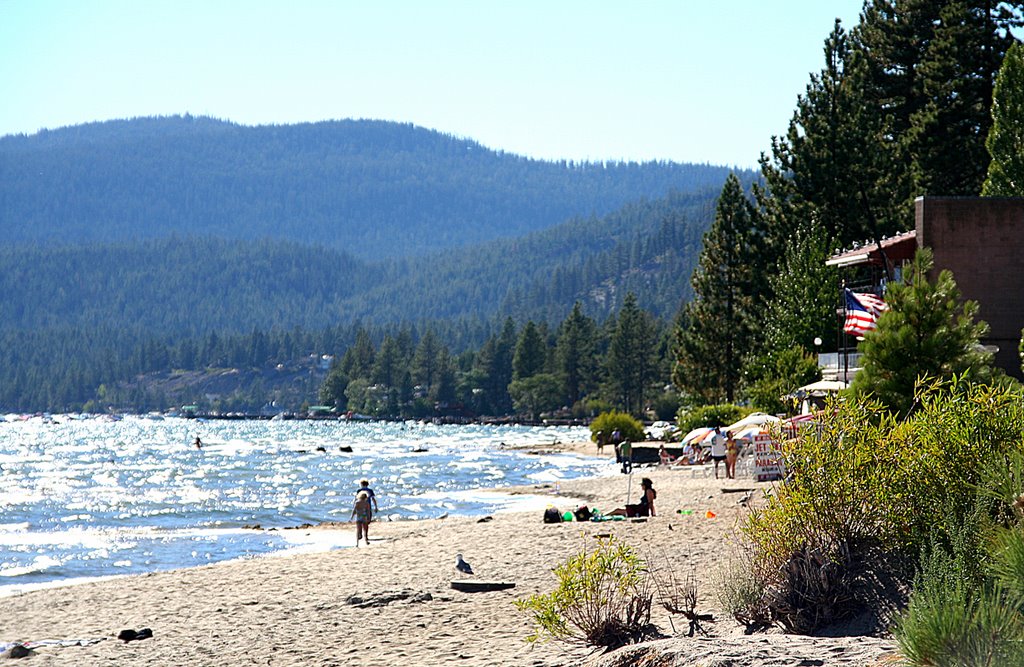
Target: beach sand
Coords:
[(391, 603)]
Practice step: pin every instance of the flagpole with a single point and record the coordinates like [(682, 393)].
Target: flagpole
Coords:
[(841, 338)]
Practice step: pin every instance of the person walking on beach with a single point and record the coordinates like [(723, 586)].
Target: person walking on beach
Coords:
[(362, 513), (643, 508), (732, 452), (626, 456), (364, 485), (718, 449)]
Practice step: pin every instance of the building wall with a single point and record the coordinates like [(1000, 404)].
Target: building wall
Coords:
[(981, 240)]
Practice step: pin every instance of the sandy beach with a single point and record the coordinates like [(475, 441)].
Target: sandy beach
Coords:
[(391, 603)]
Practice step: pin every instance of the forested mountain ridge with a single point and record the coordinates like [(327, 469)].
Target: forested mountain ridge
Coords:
[(375, 189), (126, 323), (189, 286)]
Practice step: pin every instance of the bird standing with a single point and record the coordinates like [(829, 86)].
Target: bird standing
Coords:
[(461, 565)]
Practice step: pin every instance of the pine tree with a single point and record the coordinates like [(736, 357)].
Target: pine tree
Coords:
[(630, 360), (825, 167), (1005, 142), (530, 353), (804, 309), (928, 332), (425, 360), (574, 354), (717, 332), (946, 138)]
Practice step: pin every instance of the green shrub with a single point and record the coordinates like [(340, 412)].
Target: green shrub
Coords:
[(710, 415), (868, 483), (968, 602), (603, 599), (740, 590), (628, 426)]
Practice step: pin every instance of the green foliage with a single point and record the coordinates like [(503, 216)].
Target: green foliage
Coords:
[(927, 332), (804, 303), (867, 482), (666, 406), (717, 327), (628, 426), (630, 363), (530, 356), (710, 415), (535, 394), (968, 602), (603, 599), (778, 375), (961, 627), (954, 80), (574, 353), (829, 167), (1006, 138)]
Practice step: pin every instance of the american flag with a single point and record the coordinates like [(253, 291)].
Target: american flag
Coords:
[(862, 311)]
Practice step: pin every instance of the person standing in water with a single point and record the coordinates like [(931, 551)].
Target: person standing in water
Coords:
[(198, 443)]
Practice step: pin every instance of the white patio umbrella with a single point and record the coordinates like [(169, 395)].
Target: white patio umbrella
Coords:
[(747, 433), (753, 419), (697, 434)]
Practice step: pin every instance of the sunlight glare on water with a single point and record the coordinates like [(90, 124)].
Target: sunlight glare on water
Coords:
[(87, 497)]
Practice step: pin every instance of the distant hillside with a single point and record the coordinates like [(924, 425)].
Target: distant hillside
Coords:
[(189, 286), (373, 189)]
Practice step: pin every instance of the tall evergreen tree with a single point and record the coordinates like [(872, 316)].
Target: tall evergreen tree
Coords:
[(1005, 142), (931, 66), (358, 359), (928, 332), (946, 138), (719, 327), (804, 309), (631, 363), (821, 165), (574, 352), (425, 360), (530, 353)]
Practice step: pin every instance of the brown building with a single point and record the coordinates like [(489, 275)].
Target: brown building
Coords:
[(981, 240)]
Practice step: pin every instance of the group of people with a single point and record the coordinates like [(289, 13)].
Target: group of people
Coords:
[(724, 447)]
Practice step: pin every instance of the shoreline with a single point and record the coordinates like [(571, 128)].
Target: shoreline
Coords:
[(391, 603), (505, 499)]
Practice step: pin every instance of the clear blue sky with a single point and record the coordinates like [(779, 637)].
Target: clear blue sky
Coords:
[(682, 80)]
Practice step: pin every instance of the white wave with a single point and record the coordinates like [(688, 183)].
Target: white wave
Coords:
[(40, 564)]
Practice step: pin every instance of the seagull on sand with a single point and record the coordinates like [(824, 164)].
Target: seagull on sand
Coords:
[(461, 565)]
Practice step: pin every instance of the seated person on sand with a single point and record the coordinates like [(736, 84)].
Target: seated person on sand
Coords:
[(643, 508), (664, 458), (692, 455)]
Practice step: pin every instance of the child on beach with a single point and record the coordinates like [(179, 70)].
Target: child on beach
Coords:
[(362, 514)]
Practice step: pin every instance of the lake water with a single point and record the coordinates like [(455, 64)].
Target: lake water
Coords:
[(85, 498)]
